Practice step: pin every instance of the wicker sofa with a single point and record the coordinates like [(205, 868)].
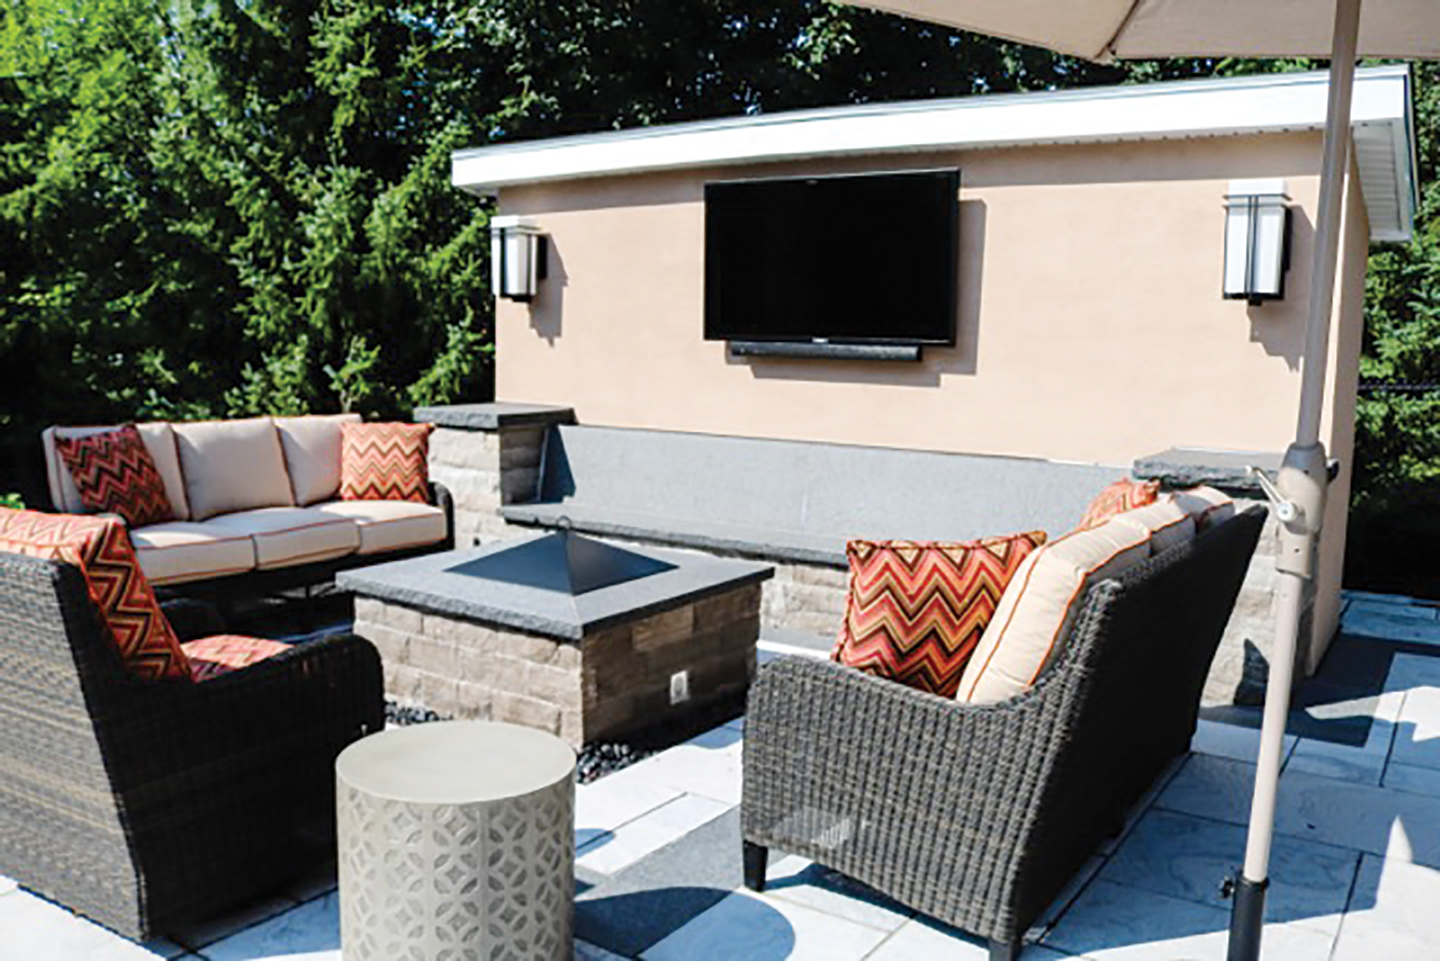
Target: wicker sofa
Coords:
[(978, 814), (140, 803), (256, 506)]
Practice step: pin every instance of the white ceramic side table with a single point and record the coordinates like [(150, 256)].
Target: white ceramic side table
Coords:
[(456, 841)]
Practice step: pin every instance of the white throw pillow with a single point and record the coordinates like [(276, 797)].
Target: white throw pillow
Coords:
[(1041, 601), (232, 465)]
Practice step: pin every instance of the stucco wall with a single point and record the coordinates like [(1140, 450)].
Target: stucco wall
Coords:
[(1091, 326)]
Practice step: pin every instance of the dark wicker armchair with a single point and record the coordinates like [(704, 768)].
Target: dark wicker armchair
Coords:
[(139, 804), (979, 814)]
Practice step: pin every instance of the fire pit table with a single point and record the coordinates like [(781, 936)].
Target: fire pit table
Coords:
[(563, 633)]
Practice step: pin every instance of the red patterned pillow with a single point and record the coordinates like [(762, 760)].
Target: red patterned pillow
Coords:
[(210, 657), (101, 549), (115, 474), (917, 609), (1119, 497), (384, 462)]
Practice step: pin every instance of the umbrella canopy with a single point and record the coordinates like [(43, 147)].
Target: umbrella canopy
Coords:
[(1145, 29)]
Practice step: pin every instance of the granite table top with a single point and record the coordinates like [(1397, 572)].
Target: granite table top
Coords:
[(453, 583)]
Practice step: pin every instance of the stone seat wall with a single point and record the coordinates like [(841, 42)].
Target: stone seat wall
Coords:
[(517, 467)]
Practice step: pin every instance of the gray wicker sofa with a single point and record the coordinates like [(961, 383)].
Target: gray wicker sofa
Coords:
[(978, 814), (140, 804), (257, 507)]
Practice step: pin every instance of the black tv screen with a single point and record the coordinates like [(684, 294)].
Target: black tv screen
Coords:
[(855, 259)]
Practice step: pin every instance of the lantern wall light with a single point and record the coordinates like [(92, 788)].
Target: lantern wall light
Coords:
[(1257, 240), (517, 258)]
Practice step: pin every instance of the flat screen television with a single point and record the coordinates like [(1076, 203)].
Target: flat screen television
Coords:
[(847, 260)]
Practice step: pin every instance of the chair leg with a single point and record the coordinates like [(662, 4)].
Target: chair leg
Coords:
[(756, 858), (1004, 950)]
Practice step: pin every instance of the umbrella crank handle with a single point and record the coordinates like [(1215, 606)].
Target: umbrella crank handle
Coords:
[(1298, 495), (1287, 511)]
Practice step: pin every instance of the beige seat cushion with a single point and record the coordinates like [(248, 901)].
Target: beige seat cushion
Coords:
[(1036, 609), (232, 465), (180, 551), (285, 536), (1164, 521), (312, 454), (159, 441), (391, 525)]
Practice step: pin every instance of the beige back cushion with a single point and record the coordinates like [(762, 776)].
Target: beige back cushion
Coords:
[(1166, 523), (159, 441), (1205, 505), (232, 465), (312, 454), (1038, 606)]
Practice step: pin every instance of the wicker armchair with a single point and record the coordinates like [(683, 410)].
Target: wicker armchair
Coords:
[(979, 814), (139, 804)]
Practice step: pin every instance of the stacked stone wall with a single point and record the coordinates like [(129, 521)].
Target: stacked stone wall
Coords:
[(608, 683), (483, 470)]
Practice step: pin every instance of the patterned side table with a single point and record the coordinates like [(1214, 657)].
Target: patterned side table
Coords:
[(456, 841)]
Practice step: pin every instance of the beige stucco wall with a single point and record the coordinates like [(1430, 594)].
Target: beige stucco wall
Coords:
[(1338, 425), (1091, 326)]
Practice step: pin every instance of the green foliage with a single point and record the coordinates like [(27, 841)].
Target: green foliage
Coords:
[(1395, 508), (12, 501), (211, 208)]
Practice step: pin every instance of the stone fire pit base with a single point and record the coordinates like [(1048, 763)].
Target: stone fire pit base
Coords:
[(613, 679)]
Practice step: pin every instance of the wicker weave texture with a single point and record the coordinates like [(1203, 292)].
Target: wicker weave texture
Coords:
[(979, 814), (139, 804)]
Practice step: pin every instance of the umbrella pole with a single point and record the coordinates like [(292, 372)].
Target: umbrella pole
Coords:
[(1301, 491)]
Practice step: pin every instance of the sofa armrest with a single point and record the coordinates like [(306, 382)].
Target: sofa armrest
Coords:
[(922, 797), (271, 716), (441, 497), (192, 618)]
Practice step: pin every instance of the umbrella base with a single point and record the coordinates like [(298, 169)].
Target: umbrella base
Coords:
[(1247, 917)]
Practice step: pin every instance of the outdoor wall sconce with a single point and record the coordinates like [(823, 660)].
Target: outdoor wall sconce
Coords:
[(517, 258), (1257, 240)]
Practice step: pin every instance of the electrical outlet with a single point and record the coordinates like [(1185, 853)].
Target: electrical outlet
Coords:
[(679, 687)]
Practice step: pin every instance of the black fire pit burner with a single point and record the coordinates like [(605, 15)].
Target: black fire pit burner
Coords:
[(565, 563)]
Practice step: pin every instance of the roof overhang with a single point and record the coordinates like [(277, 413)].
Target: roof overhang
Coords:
[(1382, 122)]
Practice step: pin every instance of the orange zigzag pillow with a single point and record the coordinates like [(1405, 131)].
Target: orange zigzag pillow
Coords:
[(115, 473), (916, 609), (384, 462), (101, 549)]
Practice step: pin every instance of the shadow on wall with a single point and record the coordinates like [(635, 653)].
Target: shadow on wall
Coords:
[(547, 310), (937, 362), (1279, 325)]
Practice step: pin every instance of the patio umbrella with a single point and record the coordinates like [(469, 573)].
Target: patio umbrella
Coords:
[(1335, 29)]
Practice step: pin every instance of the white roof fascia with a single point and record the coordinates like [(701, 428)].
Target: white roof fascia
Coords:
[(1271, 103)]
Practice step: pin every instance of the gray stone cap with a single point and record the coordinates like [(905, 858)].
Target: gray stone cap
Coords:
[(455, 762), (438, 584), (704, 534), (494, 416), (1191, 466)]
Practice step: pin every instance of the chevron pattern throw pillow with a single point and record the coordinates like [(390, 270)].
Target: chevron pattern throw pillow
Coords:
[(1117, 498), (101, 548), (916, 609), (384, 462), (115, 474)]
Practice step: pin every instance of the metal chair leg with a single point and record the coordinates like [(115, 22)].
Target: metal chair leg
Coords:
[(756, 859)]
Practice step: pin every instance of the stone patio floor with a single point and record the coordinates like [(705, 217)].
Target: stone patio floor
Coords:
[(1356, 865)]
